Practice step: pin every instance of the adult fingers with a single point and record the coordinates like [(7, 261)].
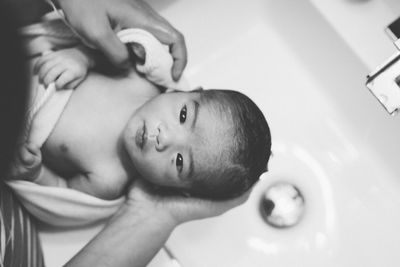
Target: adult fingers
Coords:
[(177, 46), (104, 38), (239, 200), (179, 54), (210, 208), (91, 20), (167, 35)]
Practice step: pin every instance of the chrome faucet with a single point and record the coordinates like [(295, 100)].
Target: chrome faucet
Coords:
[(384, 81)]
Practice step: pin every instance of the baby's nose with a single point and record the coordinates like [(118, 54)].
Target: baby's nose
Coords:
[(167, 137), (163, 138)]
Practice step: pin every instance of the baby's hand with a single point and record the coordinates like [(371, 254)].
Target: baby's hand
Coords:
[(67, 67), (27, 163)]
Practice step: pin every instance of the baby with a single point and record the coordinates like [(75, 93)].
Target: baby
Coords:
[(207, 143)]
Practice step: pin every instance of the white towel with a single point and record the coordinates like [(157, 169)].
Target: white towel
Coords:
[(64, 206)]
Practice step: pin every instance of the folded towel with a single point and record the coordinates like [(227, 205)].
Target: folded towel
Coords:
[(64, 206)]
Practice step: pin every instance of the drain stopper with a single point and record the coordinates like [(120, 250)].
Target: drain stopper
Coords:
[(282, 205)]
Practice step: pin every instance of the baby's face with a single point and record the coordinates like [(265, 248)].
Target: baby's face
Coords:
[(174, 135)]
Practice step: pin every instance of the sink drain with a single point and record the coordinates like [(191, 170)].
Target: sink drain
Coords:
[(282, 205)]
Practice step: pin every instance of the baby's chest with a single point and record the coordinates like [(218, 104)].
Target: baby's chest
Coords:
[(69, 151), (83, 136)]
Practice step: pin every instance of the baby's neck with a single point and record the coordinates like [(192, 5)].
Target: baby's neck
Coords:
[(126, 161)]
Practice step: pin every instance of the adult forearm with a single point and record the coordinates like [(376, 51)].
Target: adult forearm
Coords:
[(131, 238), (142, 226)]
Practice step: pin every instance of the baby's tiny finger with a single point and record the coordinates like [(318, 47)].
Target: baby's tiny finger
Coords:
[(73, 84), (37, 65), (45, 68), (64, 79), (53, 74), (41, 60)]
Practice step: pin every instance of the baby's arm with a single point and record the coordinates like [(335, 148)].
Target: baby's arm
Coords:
[(94, 185), (88, 183), (27, 163), (28, 166), (67, 67)]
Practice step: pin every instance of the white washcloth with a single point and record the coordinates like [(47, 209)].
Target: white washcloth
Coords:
[(158, 63), (64, 206)]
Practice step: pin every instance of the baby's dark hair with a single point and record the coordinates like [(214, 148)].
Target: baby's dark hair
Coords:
[(247, 156)]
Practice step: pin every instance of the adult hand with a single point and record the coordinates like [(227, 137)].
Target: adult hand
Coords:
[(96, 20), (178, 209)]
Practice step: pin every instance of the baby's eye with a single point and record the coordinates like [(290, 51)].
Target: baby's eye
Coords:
[(179, 162), (182, 114)]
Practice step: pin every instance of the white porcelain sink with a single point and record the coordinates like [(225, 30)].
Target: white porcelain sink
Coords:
[(331, 139)]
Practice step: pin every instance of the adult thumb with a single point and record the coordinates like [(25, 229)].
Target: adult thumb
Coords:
[(116, 52)]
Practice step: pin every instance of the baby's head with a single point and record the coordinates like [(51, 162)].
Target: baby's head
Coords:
[(212, 143)]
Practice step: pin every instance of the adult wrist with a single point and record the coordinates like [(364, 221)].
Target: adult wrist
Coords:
[(162, 218)]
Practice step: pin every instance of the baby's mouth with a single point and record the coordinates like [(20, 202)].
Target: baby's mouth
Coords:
[(141, 136)]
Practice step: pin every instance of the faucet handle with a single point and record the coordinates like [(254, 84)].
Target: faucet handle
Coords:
[(384, 83), (393, 31)]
